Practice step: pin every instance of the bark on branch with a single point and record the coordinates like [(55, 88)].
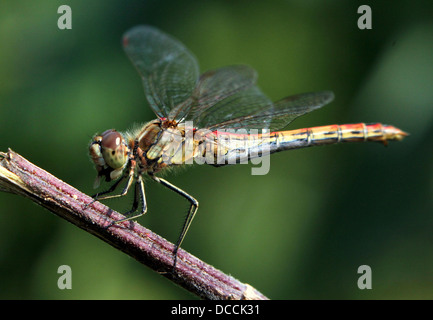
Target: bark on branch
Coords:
[(19, 176)]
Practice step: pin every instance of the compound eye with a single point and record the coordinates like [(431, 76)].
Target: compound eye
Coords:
[(113, 148), (111, 139)]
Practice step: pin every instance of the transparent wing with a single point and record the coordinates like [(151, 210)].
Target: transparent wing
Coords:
[(273, 116), (168, 69), (233, 110), (222, 98), (216, 96)]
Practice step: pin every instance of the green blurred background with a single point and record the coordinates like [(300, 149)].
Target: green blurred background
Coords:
[(299, 232)]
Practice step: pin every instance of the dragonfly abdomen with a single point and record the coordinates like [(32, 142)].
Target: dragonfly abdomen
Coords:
[(322, 135), (238, 148)]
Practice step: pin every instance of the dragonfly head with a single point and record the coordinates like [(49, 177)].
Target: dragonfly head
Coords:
[(109, 153)]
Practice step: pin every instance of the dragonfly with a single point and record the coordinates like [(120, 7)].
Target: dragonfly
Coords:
[(214, 116)]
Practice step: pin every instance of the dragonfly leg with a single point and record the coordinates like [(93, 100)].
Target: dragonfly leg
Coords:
[(139, 196), (111, 189), (191, 213), (97, 197)]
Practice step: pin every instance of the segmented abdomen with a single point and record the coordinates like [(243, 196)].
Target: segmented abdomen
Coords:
[(238, 148), (358, 132)]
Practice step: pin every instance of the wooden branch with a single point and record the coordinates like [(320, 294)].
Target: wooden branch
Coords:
[(19, 176)]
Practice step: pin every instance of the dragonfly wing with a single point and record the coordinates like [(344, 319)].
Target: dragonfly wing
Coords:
[(168, 69), (219, 84), (288, 109), (233, 111), (275, 116), (224, 94)]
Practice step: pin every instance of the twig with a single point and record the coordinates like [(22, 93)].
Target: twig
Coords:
[(19, 176)]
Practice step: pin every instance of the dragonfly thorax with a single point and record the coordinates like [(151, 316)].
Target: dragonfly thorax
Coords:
[(159, 144)]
